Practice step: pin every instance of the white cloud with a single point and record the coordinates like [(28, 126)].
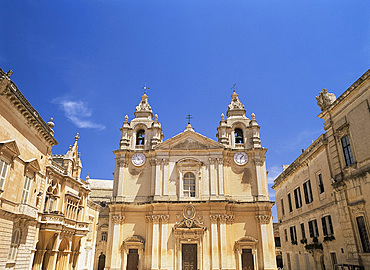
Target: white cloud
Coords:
[(274, 172), (78, 113)]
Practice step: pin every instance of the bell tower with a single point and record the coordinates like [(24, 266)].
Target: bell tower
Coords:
[(237, 131), (142, 133)]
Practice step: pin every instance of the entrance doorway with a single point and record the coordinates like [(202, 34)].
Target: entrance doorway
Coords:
[(132, 259), (247, 259), (101, 262), (189, 257)]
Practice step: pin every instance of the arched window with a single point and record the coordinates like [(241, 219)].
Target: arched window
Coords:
[(140, 137), (239, 136), (189, 184), (14, 245)]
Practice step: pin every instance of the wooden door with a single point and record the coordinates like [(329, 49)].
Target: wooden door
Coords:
[(189, 257), (101, 263), (132, 259), (247, 260)]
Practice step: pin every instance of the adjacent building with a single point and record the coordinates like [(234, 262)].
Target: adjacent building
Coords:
[(321, 197), (47, 220), (188, 202)]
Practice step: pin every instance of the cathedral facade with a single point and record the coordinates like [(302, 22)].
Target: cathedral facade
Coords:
[(188, 202)]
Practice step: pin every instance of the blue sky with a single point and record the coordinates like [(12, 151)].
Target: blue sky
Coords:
[(84, 63)]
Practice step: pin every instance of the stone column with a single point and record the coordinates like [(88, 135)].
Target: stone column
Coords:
[(165, 177), (212, 176), (52, 259), (155, 242), (164, 219), (220, 177), (39, 255), (157, 177), (214, 242), (223, 240), (116, 221), (268, 250)]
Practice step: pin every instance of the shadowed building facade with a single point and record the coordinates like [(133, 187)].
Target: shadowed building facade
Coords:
[(322, 196), (188, 202)]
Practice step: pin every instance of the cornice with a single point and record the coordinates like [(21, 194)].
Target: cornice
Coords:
[(356, 84), (16, 98), (307, 154)]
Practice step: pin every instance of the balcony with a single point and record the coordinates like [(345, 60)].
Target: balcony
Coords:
[(27, 211)]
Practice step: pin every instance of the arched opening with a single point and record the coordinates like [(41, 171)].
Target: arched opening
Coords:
[(239, 138), (140, 137), (189, 184), (101, 262), (62, 259)]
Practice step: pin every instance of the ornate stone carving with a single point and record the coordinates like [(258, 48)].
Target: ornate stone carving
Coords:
[(235, 102), (214, 218), (118, 219), (143, 105), (263, 219), (156, 218), (123, 162), (258, 161), (211, 161), (325, 99), (189, 211), (165, 218)]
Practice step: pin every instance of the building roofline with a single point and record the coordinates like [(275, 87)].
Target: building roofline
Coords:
[(350, 89), (321, 140), (29, 111)]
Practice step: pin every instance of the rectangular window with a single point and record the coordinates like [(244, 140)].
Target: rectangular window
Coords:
[(333, 257), (290, 203), (286, 235), (3, 171), (277, 242), (327, 226), (26, 189), (297, 197), (307, 192), (289, 262), (363, 234), (293, 234), (104, 236), (312, 226), (320, 183), (282, 207), (303, 232), (347, 150)]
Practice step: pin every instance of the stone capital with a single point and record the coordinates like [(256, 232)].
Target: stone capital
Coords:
[(118, 219), (263, 219)]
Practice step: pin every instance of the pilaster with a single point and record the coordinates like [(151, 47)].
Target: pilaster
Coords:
[(214, 242)]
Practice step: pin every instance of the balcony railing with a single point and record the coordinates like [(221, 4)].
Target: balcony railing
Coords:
[(27, 211)]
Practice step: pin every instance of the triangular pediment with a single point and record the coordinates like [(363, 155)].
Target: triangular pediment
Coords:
[(189, 140), (10, 147), (33, 165)]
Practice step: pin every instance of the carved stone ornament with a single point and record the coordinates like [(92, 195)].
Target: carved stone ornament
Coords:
[(264, 219), (358, 209), (118, 219), (325, 99), (235, 102), (223, 218), (189, 211), (143, 105)]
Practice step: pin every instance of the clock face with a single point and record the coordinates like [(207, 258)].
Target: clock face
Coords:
[(138, 159), (241, 158)]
